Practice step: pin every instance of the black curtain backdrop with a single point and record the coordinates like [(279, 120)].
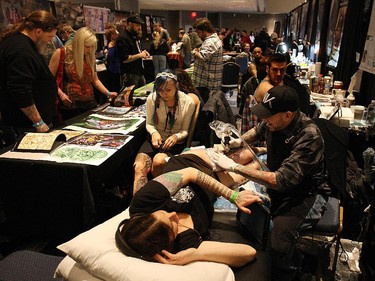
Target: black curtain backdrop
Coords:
[(353, 40), (323, 56)]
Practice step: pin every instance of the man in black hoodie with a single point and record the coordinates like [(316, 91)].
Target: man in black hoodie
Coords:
[(130, 54)]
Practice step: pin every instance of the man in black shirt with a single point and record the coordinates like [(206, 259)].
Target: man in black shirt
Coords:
[(130, 54), (295, 156), (28, 88)]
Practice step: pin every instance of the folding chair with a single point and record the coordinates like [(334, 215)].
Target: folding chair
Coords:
[(193, 124), (329, 227), (317, 241), (243, 62), (231, 75)]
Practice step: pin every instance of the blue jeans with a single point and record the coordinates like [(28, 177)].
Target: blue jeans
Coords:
[(187, 60), (160, 63)]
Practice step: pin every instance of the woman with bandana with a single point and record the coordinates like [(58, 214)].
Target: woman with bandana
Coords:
[(168, 116)]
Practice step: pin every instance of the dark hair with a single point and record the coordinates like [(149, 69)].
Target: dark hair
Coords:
[(37, 19), (184, 82), (109, 31), (204, 24), (161, 78), (142, 236), (277, 57)]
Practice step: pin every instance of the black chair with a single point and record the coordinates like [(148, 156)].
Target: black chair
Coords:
[(243, 62), (316, 242), (193, 124), (29, 266), (231, 76)]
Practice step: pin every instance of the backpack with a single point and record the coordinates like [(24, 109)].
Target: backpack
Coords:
[(336, 143), (345, 179)]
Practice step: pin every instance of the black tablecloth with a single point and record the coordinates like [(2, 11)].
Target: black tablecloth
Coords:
[(58, 199)]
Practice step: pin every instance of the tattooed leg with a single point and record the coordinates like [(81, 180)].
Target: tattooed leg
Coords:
[(142, 166)]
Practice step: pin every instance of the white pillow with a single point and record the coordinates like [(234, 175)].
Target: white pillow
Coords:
[(95, 251), (71, 270)]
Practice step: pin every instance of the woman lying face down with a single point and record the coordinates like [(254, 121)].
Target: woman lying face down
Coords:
[(171, 214)]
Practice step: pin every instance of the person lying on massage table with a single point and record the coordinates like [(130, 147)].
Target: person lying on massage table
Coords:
[(171, 214)]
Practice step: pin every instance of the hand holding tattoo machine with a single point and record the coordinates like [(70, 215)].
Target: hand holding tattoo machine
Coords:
[(224, 131), (255, 226)]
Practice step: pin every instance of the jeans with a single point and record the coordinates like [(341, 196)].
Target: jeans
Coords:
[(129, 79), (187, 60), (160, 63)]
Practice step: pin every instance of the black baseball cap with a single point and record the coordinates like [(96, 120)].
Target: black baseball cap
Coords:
[(277, 99), (135, 19)]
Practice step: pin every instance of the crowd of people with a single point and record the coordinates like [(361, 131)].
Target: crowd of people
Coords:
[(163, 227)]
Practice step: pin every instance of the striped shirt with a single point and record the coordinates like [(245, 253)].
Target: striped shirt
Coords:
[(208, 64)]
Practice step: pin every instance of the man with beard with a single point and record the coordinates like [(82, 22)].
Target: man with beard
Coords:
[(276, 75), (28, 89), (295, 161), (130, 54), (208, 58)]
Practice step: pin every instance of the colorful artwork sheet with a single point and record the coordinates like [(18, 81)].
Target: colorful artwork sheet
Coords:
[(115, 112), (110, 141), (100, 124), (139, 111), (72, 153)]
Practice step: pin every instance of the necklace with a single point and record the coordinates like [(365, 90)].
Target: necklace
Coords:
[(170, 118)]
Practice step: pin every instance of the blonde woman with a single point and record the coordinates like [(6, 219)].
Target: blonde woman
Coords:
[(77, 94), (159, 50)]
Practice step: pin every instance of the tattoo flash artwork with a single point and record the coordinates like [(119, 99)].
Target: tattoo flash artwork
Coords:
[(80, 154), (96, 123)]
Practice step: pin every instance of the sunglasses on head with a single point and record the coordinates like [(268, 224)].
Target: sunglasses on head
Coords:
[(46, 26)]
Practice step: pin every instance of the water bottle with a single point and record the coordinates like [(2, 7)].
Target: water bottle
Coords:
[(368, 156), (370, 119), (351, 100)]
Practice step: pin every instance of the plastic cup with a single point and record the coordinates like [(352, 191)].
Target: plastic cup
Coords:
[(358, 111)]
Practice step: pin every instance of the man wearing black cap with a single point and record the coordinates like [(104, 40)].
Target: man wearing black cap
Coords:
[(130, 54), (294, 159)]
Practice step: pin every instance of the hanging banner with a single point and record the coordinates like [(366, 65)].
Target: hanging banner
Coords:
[(368, 54), (96, 18)]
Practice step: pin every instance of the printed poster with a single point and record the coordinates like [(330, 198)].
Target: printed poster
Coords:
[(100, 124), (89, 149), (96, 18), (368, 54)]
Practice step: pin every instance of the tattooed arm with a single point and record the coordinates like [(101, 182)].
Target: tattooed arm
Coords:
[(174, 180), (33, 114), (249, 136), (262, 177)]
